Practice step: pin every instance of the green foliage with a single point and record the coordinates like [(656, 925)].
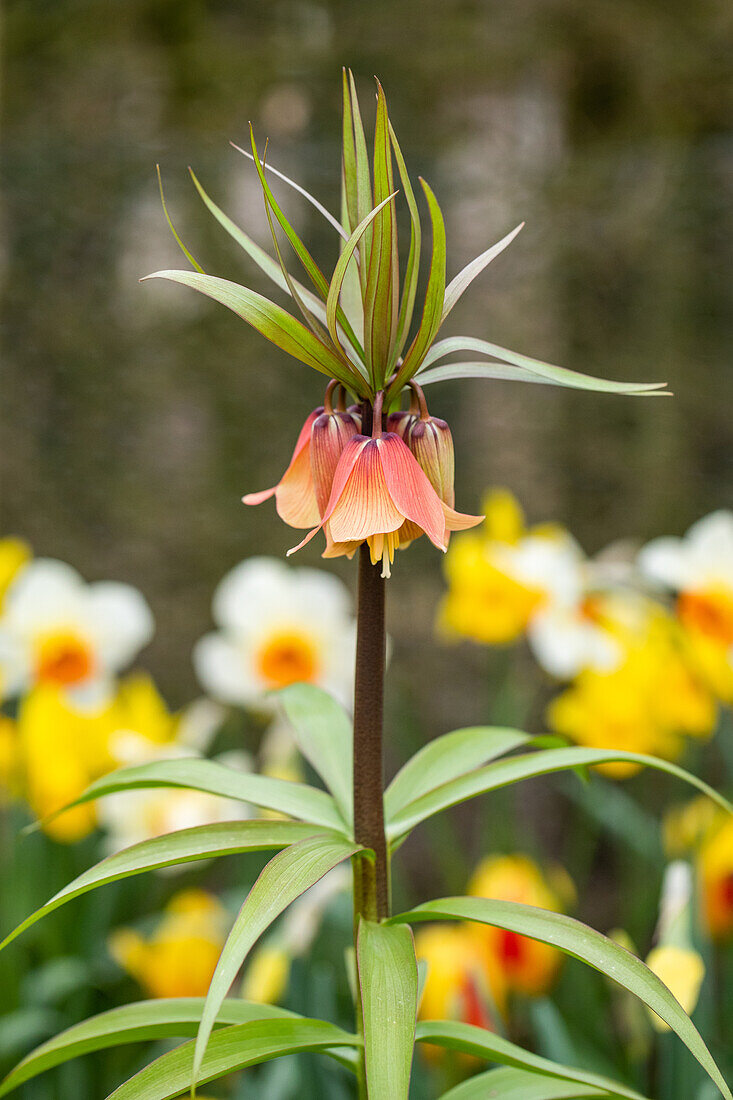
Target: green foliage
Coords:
[(233, 1048), (381, 311), (388, 982), (514, 1084), (133, 1023), (513, 770), (445, 758), (480, 1043), (285, 878), (576, 939), (522, 368), (294, 799), (323, 733), (173, 850)]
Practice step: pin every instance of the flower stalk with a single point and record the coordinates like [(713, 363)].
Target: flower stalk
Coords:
[(371, 876)]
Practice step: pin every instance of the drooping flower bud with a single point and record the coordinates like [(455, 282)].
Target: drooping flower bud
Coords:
[(377, 488), (330, 433), (400, 423), (295, 497), (431, 442)]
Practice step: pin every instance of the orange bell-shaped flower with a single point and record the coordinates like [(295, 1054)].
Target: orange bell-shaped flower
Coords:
[(377, 487), (295, 496)]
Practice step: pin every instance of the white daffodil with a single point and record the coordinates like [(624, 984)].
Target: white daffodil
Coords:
[(277, 626), (699, 570), (57, 629), (562, 632)]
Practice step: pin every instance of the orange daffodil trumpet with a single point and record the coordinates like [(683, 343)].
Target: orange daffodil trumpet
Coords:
[(375, 488)]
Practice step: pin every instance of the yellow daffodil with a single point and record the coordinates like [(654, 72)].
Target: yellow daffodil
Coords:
[(179, 958), (8, 758), (646, 704), (14, 555), (698, 569), (277, 626), (527, 966), (505, 580), (715, 871), (61, 749), (62, 632)]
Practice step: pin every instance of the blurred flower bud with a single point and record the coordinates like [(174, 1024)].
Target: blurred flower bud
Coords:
[(674, 959)]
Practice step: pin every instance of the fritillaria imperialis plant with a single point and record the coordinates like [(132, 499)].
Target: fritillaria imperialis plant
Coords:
[(373, 477)]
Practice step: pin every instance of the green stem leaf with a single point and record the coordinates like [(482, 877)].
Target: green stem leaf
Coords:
[(172, 850), (576, 939), (272, 321), (480, 1043), (388, 983), (231, 1049), (529, 766), (143, 1021), (285, 878), (522, 368)]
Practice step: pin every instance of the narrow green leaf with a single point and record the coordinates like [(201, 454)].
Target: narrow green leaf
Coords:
[(448, 757), (465, 277), (314, 272), (388, 982), (309, 264), (481, 1043), (529, 766), (273, 322), (348, 167), (513, 1084), (531, 368), (288, 874), (318, 330), (351, 287), (333, 222), (263, 260), (171, 850), (294, 799), (143, 1021), (191, 259), (324, 736), (434, 296), (412, 271), (230, 1049), (576, 939), (364, 196), (342, 267), (381, 300)]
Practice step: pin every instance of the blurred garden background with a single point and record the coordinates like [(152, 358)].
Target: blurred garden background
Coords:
[(134, 416)]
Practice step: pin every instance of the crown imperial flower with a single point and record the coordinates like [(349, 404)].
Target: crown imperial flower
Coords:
[(378, 486)]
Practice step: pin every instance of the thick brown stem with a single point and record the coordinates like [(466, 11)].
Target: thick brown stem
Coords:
[(371, 897)]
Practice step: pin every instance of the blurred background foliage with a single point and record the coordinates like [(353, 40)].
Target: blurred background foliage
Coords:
[(133, 417)]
